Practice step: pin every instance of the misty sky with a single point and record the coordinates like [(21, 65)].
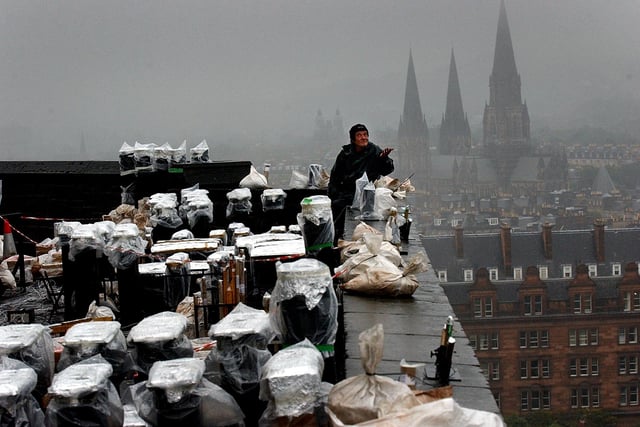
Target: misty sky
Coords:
[(158, 70)]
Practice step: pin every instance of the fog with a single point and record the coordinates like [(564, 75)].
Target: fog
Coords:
[(79, 77)]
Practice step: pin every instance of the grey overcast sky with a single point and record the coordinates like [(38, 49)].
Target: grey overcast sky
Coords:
[(157, 70)]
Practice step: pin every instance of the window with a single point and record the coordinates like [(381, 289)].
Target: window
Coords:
[(484, 341), (584, 367), (468, 275), (455, 222), (532, 305), (535, 368), (437, 221), (632, 301), (582, 337), (593, 270), (493, 274), (493, 221), (582, 303), (543, 270), (567, 271), (628, 395), (491, 370), (535, 399), (585, 397), (616, 269), (628, 335), (628, 365), (442, 275), (534, 339), (517, 273), (483, 306)]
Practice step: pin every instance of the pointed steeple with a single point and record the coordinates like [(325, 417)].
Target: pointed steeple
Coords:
[(412, 111), (413, 134), (504, 61), (455, 134), (506, 127)]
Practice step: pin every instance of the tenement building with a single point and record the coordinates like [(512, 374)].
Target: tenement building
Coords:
[(553, 315)]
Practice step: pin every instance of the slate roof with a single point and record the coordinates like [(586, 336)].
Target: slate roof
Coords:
[(507, 291), (571, 247)]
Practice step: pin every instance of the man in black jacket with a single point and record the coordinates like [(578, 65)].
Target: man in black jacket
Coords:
[(355, 159)]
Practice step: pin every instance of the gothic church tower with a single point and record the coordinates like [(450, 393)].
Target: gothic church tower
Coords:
[(506, 119), (413, 135), (455, 134)]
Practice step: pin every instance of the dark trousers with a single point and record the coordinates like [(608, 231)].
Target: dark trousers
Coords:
[(339, 212)]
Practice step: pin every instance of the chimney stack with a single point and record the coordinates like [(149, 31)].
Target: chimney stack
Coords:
[(505, 244), (546, 240), (459, 233), (598, 239)]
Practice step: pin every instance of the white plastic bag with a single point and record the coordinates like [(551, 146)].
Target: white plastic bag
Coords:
[(254, 180)]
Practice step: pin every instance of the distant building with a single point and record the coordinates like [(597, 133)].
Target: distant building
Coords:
[(413, 155), (553, 315), (455, 133), (506, 164)]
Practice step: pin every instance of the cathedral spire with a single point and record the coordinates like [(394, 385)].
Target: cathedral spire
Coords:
[(413, 133), (504, 61), (412, 109), (455, 134), (506, 119)]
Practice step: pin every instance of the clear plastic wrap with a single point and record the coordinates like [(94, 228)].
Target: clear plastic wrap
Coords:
[(125, 246), (178, 155), (163, 210), (161, 157), (200, 153), (176, 394), (242, 337), (159, 337), (143, 156), (83, 395), (17, 405), (368, 396), (239, 202), (273, 199), (316, 222), (85, 340), (303, 303), (84, 237), (127, 160), (198, 206), (291, 380), (33, 345)]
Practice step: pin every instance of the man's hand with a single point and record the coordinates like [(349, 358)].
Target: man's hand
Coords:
[(386, 152)]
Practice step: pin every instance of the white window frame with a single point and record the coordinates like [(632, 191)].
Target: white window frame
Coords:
[(616, 269), (517, 273), (493, 221), (468, 274), (593, 270), (567, 271), (442, 275), (493, 274), (544, 272), (437, 221)]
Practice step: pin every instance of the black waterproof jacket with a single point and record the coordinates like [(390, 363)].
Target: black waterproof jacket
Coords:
[(350, 165)]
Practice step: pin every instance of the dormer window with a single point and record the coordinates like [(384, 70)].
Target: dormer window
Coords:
[(616, 269), (442, 275), (468, 275), (593, 270), (493, 221), (493, 274), (543, 271), (517, 273), (567, 271)]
